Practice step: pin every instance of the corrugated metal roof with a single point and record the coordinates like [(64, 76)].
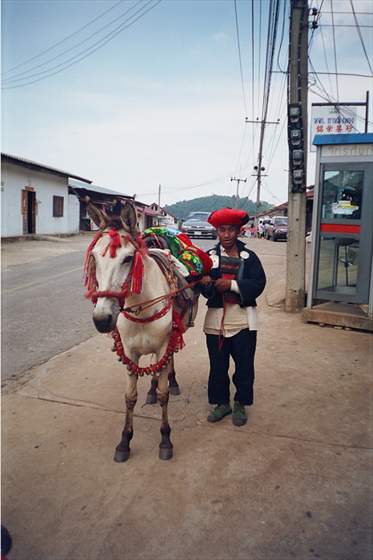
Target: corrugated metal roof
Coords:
[(40, 166), (97, 188)]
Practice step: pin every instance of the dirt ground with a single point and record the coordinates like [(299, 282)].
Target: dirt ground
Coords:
[(295, 482)]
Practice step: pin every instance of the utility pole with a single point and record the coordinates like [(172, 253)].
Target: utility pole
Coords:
[(159, 195), (259, 168), (238, 186), (297, 140)]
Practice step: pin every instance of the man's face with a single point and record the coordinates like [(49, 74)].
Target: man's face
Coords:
[(228, 235)]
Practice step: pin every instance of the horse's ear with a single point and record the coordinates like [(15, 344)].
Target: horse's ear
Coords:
[(129, 218), (95, 214)]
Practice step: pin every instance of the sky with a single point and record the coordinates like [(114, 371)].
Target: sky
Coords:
[(162, 102)]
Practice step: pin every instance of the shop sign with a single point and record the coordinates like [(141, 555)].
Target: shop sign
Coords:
[(331, 119)]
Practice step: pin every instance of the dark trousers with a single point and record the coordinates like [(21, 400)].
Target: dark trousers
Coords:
[(242, 349)]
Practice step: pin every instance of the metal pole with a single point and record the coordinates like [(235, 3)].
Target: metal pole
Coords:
[(366, 112)]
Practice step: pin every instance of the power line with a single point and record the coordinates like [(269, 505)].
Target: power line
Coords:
[(84, 54), (325, 57), (101, 15), (239, 56), (315, 25), (282, 36), (361, 37), (335, 51), (209, 182), (19, 75), (343, 25), (350, 14), (260, 55)]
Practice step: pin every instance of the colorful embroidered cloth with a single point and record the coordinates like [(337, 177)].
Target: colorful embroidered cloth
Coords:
[(193, 258)]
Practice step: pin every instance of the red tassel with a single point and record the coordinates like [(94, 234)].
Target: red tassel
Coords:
[(137, 273), (115, 242)]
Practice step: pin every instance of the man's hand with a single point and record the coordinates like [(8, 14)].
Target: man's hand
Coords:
[(222, 285), (205, 280)]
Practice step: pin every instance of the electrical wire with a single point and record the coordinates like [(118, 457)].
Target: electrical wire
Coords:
[(260, 56), (281, 111), (361, 37), (282, 36), (83, 55), (271, 45), (41, 53), (316, 26), (344, 25), (326, 57), (335, 51), (19, 75), (240, 57), (252, 76), (209, 182)]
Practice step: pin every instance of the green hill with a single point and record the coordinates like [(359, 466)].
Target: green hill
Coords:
[(209, 203)]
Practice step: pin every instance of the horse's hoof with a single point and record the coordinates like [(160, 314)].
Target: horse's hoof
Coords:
[(151, 398), (174, 390), (121, 456), (165, 453)]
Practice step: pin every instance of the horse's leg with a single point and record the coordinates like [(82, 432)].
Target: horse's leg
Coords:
[(122, 451), (172, 383), (165, 447), (151, 397)]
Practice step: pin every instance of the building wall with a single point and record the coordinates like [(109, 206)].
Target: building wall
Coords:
[(73, 213), (46, 185)]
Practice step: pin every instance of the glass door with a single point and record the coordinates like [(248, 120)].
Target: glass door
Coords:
[(345, 232)]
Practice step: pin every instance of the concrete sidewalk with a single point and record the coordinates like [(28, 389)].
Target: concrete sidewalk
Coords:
[(295, 482)]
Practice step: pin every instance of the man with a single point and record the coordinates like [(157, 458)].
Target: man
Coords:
[(236, 279)]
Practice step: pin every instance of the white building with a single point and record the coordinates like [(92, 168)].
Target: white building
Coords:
[(35, 199)]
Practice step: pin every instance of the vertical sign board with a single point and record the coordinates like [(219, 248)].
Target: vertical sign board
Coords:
[(332, 119)]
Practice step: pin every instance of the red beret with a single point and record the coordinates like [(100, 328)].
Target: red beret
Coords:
[(228, 216)]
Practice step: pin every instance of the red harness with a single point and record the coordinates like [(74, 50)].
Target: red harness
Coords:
[(133, 284)]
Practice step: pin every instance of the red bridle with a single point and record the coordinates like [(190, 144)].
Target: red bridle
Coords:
[(133, 282)]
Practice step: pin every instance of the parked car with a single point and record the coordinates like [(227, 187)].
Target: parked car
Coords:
[(278, 228), (197, 226)]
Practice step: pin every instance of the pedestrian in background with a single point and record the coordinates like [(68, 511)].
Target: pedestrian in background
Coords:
[(236, 279)]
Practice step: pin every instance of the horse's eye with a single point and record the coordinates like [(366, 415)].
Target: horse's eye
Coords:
[(127, 259)]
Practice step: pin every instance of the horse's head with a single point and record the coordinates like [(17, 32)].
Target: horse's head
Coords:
[(113, 262)]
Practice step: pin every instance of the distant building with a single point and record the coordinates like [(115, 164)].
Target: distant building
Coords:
[(101, 196), (35, 199)]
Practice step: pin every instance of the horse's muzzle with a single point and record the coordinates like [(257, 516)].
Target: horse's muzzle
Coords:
[(105, 324)]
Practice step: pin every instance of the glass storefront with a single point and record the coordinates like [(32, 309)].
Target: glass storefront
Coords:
[(342, 195), (338, 264)]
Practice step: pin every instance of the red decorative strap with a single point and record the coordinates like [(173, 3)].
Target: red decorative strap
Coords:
[(154, 317), (175, 344)]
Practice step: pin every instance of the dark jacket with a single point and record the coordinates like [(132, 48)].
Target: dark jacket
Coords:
[(251, 278)]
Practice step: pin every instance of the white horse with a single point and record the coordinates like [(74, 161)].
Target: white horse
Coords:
[(119, 270)]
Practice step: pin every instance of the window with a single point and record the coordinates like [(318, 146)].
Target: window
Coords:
[(342, 195), (57, 206)]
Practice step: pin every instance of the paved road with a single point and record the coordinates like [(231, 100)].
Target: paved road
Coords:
[(44, 311)]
